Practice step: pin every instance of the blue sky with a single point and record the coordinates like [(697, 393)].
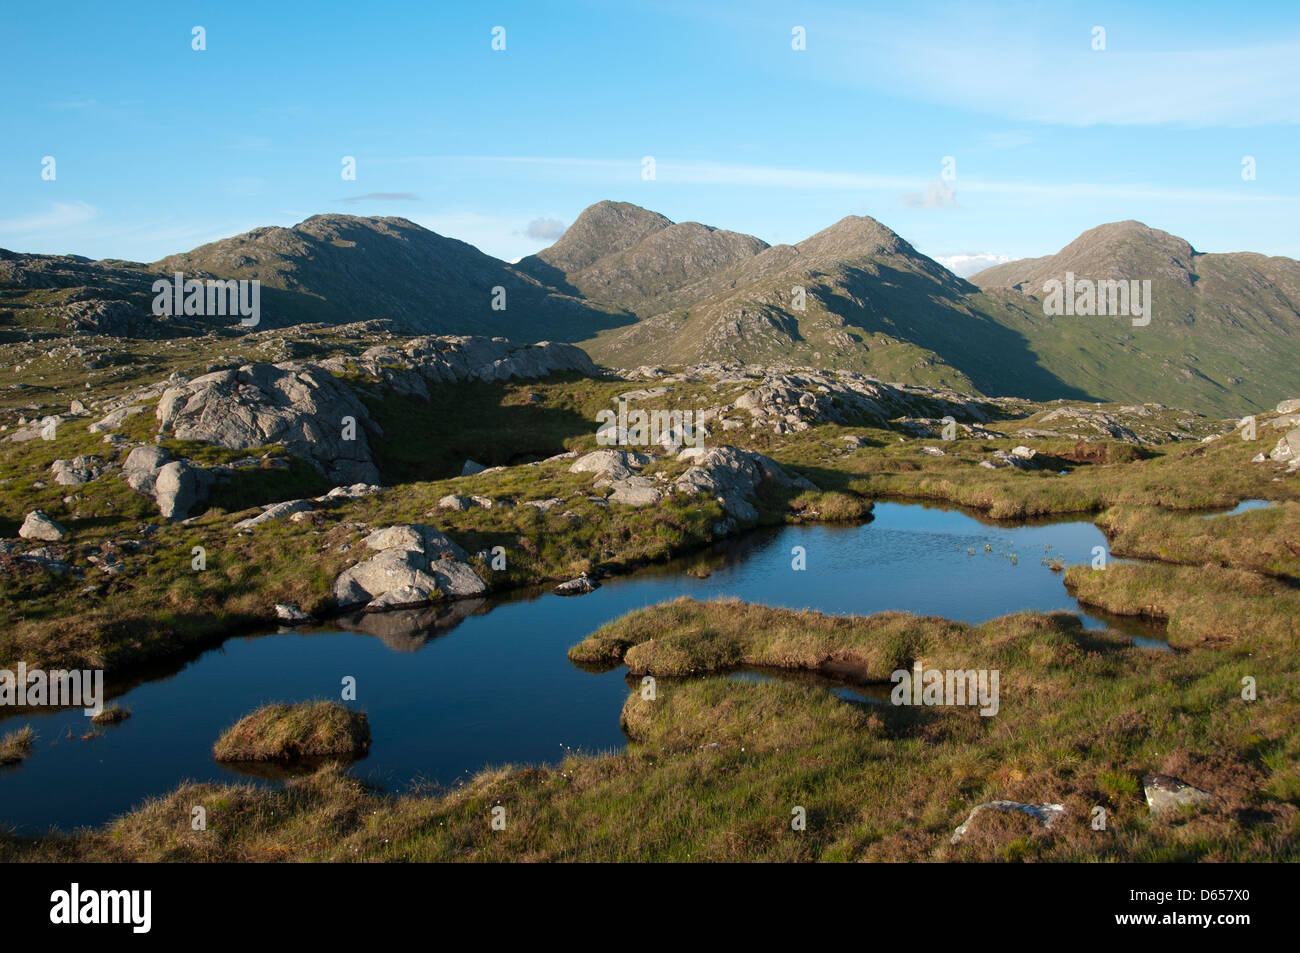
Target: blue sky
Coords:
[(159, 147)]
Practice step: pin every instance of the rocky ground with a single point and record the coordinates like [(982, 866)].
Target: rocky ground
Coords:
[(157, 502)]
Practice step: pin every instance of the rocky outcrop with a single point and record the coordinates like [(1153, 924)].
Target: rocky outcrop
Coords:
[(1288, 448), (411, 367), (732, 476), (39, 526), (299, 406), (415, 562), (729, 475)]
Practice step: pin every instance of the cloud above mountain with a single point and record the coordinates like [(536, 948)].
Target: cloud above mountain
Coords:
[(547, 229), (965, 264)]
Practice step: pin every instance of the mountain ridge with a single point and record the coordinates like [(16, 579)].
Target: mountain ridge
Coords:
[(633, 287)]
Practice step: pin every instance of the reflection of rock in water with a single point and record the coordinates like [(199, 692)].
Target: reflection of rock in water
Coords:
[(406, 630)]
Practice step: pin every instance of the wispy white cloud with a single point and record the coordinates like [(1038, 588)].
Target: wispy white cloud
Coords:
[(668, 171), (967, 264), (382, 197), (938, 194), (991, 61), (545, 229), (57, 217)]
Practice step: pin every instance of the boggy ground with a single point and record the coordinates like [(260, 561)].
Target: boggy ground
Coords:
[(717, 765), (154, 604)]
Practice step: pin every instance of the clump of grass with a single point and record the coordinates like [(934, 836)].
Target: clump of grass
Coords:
[(16, 745), (111, 716), (292, 732)]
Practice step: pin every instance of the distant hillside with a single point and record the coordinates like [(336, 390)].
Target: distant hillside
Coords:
[(1224, 332), (871, 303), (635, 288), (334, 269)]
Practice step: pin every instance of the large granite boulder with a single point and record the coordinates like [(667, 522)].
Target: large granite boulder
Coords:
[(300, 406)]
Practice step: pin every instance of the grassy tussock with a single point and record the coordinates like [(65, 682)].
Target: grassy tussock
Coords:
[(16, 745), (291, 732)]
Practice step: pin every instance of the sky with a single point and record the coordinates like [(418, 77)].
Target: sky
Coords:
[(979, 132)]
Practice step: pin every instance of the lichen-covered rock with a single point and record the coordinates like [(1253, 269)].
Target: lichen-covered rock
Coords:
[(291, 614), (179, 487), (732, 476)]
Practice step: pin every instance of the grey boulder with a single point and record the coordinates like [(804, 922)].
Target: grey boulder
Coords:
[(39, 526)]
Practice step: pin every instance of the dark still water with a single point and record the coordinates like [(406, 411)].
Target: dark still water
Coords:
[(488, 682)]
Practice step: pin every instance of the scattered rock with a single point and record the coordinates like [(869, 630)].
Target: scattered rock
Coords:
[(1045, 814), (354, 492), (611, 464), (291, 614), (39, 526), (115, 419), (276, 512), (455, 502), (77, 471), (582, 585), (1165, 793), (179, 487)]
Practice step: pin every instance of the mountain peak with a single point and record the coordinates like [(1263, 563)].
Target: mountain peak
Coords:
[(854, 236), (599, 230)]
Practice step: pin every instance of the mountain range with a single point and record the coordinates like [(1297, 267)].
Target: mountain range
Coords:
[(633, 287)]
